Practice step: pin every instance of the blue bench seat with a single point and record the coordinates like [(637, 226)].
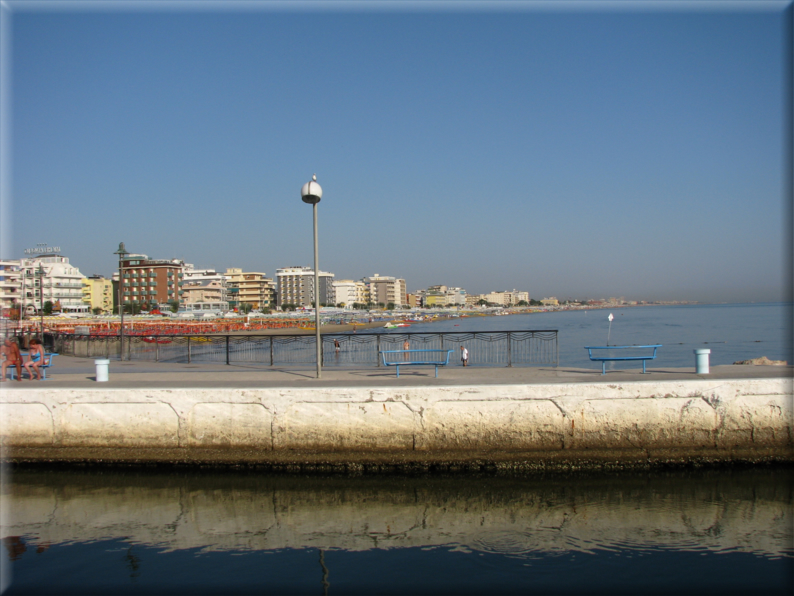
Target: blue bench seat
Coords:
[(398, 358), (604, 359), (49, 357)]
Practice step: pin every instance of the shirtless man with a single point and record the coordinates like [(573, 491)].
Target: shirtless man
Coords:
[(11, 357)]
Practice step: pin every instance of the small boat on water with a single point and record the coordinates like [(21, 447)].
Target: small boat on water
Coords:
[(395, 325)]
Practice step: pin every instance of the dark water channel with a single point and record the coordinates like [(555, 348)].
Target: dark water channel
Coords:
[(110, 531)]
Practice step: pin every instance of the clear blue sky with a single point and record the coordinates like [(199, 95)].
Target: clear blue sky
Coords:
[(623, 149)]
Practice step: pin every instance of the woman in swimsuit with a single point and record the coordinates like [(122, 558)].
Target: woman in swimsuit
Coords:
[(35, 359)]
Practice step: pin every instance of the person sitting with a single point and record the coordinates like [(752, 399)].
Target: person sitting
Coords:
[(11, 357), (35, 359)]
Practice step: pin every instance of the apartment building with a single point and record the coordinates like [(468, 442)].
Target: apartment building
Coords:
[(203, 285), (250, 287), (10, 284), (350, 292), (98, 293), (436, 296), (148, 280), (507, 298), (385, 290), (49, 277), (295, 285)]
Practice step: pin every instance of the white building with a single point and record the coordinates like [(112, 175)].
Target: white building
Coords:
[(203, 285), (49, 277), (295, 285), (350, 292), (10, 284)]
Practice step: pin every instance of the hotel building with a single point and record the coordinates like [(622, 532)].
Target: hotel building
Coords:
[(148, 280), (49, 277), (350, 292), (98, 293), (295, 285), (250, 287)]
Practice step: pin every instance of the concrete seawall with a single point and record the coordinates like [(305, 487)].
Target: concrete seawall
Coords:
[(639, 422)]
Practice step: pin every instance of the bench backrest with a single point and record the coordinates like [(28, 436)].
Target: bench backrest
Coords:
[(591, 348), (403, 356)]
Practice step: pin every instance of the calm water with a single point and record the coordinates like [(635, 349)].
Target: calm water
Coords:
[(731, 331), (682, 532)]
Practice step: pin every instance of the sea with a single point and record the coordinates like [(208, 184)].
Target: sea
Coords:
[(690, 530), (732, 332)]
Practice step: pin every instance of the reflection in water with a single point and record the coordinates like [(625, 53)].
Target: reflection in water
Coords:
[(736, 511)]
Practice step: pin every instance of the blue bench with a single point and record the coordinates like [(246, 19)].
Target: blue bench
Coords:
[(48, 358), (604, 359), (398, 358)]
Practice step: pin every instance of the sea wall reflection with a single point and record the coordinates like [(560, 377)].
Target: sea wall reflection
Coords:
[(740, 510)]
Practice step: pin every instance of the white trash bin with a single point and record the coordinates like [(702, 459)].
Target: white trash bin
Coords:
[(102, 365), (702, 361)]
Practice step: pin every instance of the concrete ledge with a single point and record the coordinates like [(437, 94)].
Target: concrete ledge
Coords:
[(630, 421)]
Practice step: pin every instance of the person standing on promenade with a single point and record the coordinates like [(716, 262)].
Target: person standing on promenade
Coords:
[(11, 357), (406, 346), (337, 345), (464, 355), (35, 358)]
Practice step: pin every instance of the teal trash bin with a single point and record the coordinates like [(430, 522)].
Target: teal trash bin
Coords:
[(702, 361)]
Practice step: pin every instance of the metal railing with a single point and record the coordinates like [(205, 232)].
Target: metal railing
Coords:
[(486, 348)]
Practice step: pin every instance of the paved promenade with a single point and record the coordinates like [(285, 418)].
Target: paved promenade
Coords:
[(70, 372)]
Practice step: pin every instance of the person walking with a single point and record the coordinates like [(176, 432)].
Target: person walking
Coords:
[(337, 345), (11, 357), (464, 355)]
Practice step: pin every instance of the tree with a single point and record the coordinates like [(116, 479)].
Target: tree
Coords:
[(534, 302), (47, 308), (286, 307), (523, 303), (390, 306), (96, 310), (246, 307), (173, 305), (482, 302)]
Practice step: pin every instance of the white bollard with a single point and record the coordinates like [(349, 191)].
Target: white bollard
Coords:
[(102, 365), (702, 361)]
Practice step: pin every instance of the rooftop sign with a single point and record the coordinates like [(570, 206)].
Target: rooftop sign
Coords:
[(42, 249)]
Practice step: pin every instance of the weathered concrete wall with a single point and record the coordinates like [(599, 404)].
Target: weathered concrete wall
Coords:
[(696, 415)]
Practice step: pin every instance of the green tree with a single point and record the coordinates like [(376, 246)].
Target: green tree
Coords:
[(523, 303), (96, 310), (173, 305), (482, 302), (390, 306), (47, 308), (246, 307), (534, 302)]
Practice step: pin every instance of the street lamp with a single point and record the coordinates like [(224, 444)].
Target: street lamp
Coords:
[(121, 252), (41, 300), (312, 193)]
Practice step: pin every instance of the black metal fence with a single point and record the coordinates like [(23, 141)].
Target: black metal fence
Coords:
[(486, 348)]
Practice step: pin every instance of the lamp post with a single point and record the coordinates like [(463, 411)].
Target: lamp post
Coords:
[(121, 252), (41, 301), (312, 193)]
